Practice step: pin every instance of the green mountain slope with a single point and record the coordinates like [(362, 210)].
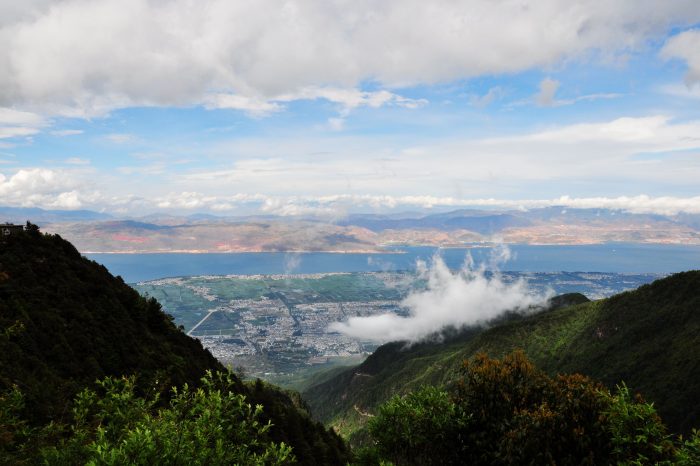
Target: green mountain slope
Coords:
[(649, 338), (66, 322)]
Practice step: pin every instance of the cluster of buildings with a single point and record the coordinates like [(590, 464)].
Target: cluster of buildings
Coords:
[(285, 336)]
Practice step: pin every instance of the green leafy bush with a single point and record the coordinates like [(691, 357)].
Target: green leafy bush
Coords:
[(210, 425), (420, 428)]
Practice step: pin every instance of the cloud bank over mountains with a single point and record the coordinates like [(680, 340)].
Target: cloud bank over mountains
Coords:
[(54, 189)]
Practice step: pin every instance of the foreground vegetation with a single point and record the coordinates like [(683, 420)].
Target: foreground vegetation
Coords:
[(209, 425), (649, 338), (508, 412)]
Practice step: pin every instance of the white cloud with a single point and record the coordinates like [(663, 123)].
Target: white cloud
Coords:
[(680, 90), (652, 133), (628, 155), (46, 188), (465, 298), (16, 131), (67, 132), (546, 97), (548, 89), (337, 206), (120, 138), (348, 99), (16, 123), (10, 116), (83, 58), (640, 204), (190, 200), (336, 124), (76, 161), (686, 46), (481, 101), (255, 107)]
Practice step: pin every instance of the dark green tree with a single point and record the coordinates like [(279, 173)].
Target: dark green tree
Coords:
[(508, 412)]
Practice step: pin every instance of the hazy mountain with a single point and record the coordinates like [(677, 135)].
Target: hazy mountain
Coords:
[(40, 216), (94, 232)]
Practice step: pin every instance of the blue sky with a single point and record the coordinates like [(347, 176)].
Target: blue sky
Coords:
[(327, 107)]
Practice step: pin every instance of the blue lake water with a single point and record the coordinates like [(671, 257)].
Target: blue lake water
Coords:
[(611, 258)]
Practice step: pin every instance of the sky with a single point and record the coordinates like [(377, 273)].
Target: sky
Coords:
[(235, 107)]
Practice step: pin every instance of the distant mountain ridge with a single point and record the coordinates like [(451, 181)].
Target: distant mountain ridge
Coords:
[(37, 215), (482, 222), (649, 338), (374, 232), (202, 232)]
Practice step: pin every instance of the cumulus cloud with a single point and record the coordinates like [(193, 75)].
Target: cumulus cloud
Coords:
[(451, 299), (83, 58), (190, 200), (45, 188)]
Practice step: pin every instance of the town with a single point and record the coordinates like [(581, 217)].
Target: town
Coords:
[(270, 326)]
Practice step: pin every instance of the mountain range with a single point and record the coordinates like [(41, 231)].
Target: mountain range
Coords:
[(98, 232)]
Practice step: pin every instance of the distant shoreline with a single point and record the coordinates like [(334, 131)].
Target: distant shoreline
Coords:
[(393, 249)]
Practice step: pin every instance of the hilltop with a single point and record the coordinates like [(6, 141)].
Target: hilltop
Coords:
[(649, 338), (66, 322)]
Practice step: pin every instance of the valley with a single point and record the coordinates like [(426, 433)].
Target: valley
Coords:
[(273, 326)]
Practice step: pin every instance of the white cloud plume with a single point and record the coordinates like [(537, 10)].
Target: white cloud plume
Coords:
[(82, 58), (452, 299)]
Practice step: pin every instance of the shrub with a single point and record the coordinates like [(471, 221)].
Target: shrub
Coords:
[(508, 412), (210, 425), (419, 428)]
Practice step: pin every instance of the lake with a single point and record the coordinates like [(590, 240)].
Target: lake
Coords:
[(611, 258)]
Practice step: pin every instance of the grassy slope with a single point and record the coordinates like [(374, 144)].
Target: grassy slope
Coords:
[(649, 338)]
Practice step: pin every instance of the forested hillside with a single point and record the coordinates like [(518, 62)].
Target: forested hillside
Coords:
[(649, 338), (65, 322)]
